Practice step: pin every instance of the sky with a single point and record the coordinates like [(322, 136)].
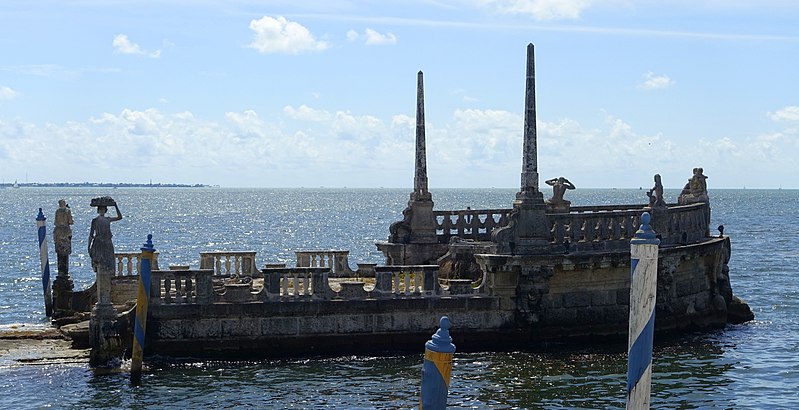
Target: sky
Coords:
[(317, 93)]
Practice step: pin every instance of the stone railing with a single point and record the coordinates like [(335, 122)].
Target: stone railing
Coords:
[(129, 263), (587, 230), (475, 224), (240, 263), (406, 281), (203, 286), (609, 227), (684, 224), (296, 283), (182, 287), (336, 260)]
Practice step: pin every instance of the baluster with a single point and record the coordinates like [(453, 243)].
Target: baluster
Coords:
[(285, 284), (237, 264), (218, 263), (178, 290), (119, 266), (167, 288), (603, 229), (305, 280), (417, 282), (190, 297), (559, 231), (227, 264), (395, 276), (296, 283), (137, 270), (407, 283), (615, 228)]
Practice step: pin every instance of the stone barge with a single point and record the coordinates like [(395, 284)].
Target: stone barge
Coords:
[(539, 271)]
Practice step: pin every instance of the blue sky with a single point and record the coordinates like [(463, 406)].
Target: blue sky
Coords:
[(318, 93)]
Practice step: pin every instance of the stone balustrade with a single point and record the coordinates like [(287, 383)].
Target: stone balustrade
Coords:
[(181, 287), (296, 283), (336, 260), (608, 227), (406, 281), (475, 224), (129, 263), (585, 227), (241, 263), (203, 286)]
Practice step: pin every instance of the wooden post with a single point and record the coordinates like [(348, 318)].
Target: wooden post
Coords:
[(140, 326), (41, 224), (437, 368), (643, 287)]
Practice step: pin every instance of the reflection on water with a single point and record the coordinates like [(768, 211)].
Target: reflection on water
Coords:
[(688, 374)]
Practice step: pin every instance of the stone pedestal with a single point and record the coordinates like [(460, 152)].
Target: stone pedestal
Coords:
[(104, 337), (352, 290), (62, 295)]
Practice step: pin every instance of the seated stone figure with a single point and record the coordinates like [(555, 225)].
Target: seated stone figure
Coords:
[(559, 187), (695, 190), (656, 194)]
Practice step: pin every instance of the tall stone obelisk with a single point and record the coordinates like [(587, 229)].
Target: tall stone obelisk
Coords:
[(423, 227), (528, 230)]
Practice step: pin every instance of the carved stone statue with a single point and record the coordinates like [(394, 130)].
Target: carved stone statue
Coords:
[(656, 194), (101, 248), (559, 187), (62, 236), (695, 190)]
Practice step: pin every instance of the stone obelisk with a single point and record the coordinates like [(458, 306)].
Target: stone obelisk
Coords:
[(529, 231), (423, 227)]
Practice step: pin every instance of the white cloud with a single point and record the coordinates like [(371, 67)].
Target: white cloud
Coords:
[(352, 35), (373, 38), (789, 113), (122, 45), (311, 146), (278, 35), (539, 9), (655, 82), (7, 93)]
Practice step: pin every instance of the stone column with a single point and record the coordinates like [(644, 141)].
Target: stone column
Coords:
[(422, 224), (530, 150), (527, 231)]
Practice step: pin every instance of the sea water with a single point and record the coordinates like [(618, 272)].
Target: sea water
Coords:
[(753, 365)]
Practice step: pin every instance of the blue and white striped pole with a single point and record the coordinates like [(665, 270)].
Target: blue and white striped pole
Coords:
[(437, 368), (142, 304), (643, 287), (41, 224)]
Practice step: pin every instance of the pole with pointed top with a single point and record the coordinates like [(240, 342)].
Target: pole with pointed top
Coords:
[(530, 150), (140, 326), (643, 288), (420, 172), (41, 224), (437, 368)]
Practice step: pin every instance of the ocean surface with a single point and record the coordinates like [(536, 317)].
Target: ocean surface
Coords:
[(754, 365)]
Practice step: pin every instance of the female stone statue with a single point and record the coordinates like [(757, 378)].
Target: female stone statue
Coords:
[(101, 248)]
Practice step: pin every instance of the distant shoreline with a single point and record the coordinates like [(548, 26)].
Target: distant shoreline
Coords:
[(97, 185)]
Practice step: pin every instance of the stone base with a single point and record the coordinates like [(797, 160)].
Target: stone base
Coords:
[(104, 337)]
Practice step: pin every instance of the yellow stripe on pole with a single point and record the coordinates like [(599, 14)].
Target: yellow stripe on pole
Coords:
[(443, 362)]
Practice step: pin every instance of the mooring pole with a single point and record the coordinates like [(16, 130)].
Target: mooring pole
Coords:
[(41, 224), (643, 287), (437, 368), (142, 302)]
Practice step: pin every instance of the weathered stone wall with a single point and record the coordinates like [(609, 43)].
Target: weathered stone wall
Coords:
[(310, 327), (588, 294)]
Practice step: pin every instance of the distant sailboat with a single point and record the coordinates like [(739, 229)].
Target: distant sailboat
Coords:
[(16, 185)]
